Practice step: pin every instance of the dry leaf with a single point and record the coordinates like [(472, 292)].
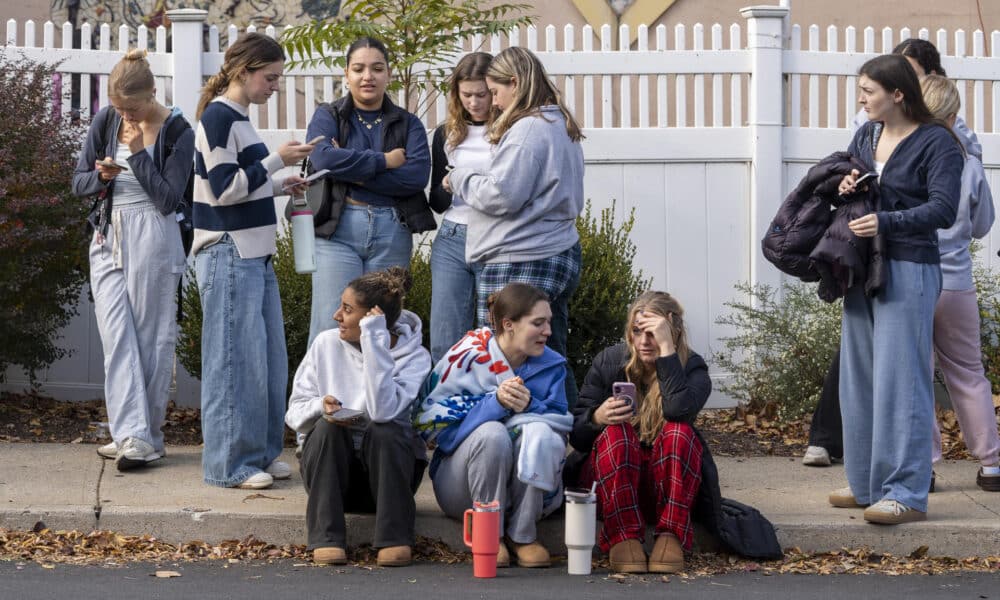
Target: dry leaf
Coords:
[(166, 574)]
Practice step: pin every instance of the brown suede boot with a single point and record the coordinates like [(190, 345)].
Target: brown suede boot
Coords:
[(503, 556), (627, 557), (667, 555), (330, 556), (530, 555), (394, 556)]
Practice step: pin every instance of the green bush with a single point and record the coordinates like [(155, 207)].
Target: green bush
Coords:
[(608, 284), (43, 234), (597, 310), (782, 347), (988, 290)]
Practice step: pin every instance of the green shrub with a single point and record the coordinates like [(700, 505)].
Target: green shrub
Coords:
[(419, 298), (988, 290), (43, 234), (782, 347), (608, 284)]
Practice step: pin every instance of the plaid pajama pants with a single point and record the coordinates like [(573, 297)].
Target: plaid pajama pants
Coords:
[(636, 484), (552, 275)]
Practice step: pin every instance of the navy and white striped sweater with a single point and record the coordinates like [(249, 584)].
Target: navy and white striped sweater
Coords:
[(233, 186)]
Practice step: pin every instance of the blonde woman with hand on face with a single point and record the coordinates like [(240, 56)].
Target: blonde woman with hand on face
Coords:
[(244, 366), (137, 155)]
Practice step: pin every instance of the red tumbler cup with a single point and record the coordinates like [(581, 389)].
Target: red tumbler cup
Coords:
[(481, 532)]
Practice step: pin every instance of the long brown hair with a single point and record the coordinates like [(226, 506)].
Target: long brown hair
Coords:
[(131, 77), (472, 67), (250, 53), (534, 90), (649, 412)]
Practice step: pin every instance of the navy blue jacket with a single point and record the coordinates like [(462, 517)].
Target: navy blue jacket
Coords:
[(920, 185)]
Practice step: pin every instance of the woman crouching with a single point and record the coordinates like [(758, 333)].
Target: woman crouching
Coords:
[(644, 454), (352, 396), (495, 407)]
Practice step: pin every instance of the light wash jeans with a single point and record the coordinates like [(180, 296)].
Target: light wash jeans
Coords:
[(244, 364), (133, 276), (368, 238), (886, 394), (453, 289)]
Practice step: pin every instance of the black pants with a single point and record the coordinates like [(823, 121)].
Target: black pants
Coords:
[(382, 478), (827, 429)]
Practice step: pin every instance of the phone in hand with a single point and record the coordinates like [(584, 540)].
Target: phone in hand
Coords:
[(624, 390), (307, 180), (316, 140), (869, 176), (345, 416), (114, 164)]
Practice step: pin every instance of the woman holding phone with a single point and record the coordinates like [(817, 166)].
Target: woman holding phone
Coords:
[(351, 400), (244, 367), (138, 156), (887, 400), (494, 408), (459, 142), (643, 452), (377, 154)]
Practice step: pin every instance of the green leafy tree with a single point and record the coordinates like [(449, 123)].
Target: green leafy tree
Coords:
[(420, 35), (42, 225)]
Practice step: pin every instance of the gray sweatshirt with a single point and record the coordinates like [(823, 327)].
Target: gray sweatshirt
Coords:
[(527, 201), (973, 220)]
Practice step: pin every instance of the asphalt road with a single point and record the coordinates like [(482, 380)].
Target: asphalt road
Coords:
[(427, 581)]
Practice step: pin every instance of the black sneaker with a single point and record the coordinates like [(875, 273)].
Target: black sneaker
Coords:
[(988, 483)]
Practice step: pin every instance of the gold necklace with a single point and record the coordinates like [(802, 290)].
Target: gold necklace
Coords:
[(366, 123)]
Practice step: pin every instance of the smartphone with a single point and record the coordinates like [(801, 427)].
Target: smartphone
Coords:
[(308, 180), (116, 164), (866, 177), (316, 140), (625, 391), (345, 416)]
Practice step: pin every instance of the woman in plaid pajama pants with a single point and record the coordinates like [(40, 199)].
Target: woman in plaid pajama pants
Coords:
[(647, 458)]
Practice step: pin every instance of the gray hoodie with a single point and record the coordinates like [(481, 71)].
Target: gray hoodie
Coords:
[(527, 201), (973, 220)]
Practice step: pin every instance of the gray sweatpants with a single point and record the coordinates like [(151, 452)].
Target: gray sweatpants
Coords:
[(484, 468), (133, 276)]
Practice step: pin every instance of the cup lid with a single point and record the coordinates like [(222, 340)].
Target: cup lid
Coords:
[(493, 506), (580, 496)]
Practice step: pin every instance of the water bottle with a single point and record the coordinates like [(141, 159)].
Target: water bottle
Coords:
[(581, 529), (303, 237)]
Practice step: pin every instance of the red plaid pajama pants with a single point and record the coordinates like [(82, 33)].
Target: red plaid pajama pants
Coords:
[(636, 483)]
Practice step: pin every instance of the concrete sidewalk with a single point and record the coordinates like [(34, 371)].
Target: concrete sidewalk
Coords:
[(68, 486)]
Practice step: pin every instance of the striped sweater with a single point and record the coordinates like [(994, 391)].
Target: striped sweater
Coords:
[(233, 189)]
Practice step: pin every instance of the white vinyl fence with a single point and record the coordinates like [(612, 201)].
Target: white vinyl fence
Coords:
[(701, 132)]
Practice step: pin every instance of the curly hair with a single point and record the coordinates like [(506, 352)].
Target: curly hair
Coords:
[(385, 289)]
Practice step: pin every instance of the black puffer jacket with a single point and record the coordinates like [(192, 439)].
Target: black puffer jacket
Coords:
[(809, 237)]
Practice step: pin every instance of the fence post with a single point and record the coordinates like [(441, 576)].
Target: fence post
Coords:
[(187, 50), (765, 41)]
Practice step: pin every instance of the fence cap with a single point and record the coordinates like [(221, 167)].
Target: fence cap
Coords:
[(764, 11), (187, 14)]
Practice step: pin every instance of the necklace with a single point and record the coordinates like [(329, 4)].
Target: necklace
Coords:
[(366, 123)]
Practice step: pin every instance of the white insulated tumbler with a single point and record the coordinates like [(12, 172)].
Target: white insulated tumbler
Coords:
[(303, 237), (581, 529)]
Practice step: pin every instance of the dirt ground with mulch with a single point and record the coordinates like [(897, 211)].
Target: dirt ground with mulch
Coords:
[(729, 432)]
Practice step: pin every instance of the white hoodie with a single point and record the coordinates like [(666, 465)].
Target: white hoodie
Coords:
[(381, 381)]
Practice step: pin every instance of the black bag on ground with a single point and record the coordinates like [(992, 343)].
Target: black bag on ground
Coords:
[(747, 532)]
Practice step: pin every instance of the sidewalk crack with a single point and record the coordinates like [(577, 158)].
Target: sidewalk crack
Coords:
[(981, 505)]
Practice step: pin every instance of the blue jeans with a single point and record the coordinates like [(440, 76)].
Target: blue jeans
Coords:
[(886, 393), (244, 365), (368, 238), (453, 289)]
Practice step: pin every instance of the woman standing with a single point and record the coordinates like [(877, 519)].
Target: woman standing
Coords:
[(527, 200), (644, 452), (459, 143), (495, 407), (377, 153), (887, 401), (136, 258), (244, 367), (371, 365)]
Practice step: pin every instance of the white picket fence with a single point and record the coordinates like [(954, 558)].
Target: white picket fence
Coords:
[(702, 138)]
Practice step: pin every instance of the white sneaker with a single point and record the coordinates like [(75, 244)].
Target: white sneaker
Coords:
[(135, 453), (816, 456), (257, 481), (892, 512), (279, 469), (108, 450)]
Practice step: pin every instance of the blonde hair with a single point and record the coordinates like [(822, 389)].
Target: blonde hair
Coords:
[(649, 412), (534, 90), (940, 96), (131, 77), (472, 67), (250, 53)]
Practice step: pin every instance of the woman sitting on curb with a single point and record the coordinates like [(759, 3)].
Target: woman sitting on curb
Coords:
[(495, 406), (372, 366), (647, 461)]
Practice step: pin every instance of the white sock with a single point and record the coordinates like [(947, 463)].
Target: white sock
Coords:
[(994, 470)]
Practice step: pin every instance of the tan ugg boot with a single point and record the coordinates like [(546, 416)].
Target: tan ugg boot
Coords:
[(667, 555), (394, 556), (627, 557), (530, 555), (330, 556)]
